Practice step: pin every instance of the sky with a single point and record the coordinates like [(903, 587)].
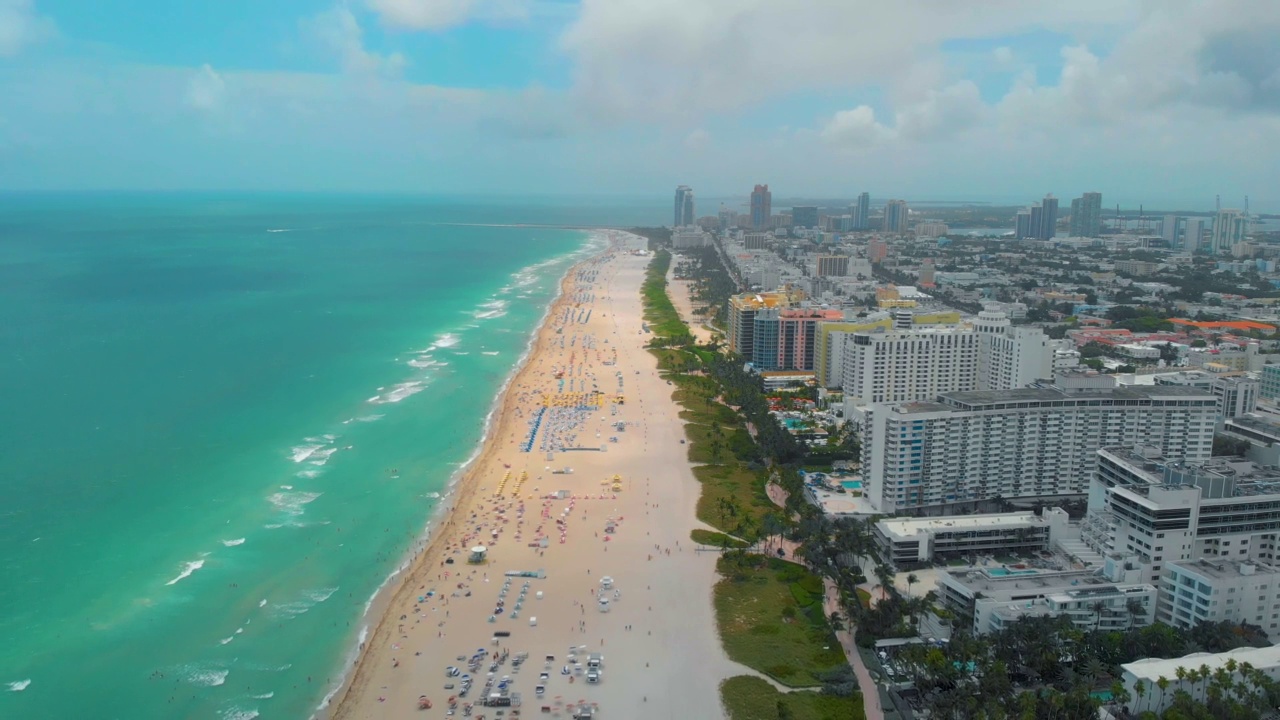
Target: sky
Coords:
[(1162, 101)]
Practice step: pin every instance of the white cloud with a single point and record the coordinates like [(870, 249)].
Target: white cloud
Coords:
[(442, 14), (647, 59), (855, 129), (697, 140), (206, 90), (1003, 55), (340, 33), (21, 27)]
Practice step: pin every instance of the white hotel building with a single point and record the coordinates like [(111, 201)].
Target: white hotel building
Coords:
[(969, 447)]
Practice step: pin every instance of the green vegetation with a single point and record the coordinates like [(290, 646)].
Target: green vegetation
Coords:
[(1048, 667), (661, 314), (751, 698), (715, 539), (771, 619)]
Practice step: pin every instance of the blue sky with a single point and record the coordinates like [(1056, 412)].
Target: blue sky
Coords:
[(1168, 101)]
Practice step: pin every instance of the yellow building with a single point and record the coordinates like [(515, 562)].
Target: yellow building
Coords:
[(742, 315)]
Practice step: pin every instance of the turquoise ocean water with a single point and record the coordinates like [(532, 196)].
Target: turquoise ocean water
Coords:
[(227, 418)]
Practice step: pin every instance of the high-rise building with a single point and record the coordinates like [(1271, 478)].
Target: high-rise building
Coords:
[(833, 265), (860, 212), (1169, 230), (1037, 218), (761, 207), (1013, 356), (684, 206), (1086, 215), (967, 447), (805, 216), (1231, 226), (1193, 234), (1022, 225), (1046, 225), (903, 365), (895, 216), (742, 316)]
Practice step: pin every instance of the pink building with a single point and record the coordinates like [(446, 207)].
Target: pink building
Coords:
[(798, 335)]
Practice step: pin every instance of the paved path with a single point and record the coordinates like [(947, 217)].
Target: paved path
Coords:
[(870, 693)]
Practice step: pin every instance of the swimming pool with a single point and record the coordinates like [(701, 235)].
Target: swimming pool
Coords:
[(851, 484), (1003, 572)]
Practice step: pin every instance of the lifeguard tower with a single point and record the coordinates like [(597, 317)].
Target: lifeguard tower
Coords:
[(478, 555)]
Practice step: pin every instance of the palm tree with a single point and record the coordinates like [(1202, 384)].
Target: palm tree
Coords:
[(911, 580), (1135, 609), (1140, 689), (1163, 683), (1098, 608), (836, 622)]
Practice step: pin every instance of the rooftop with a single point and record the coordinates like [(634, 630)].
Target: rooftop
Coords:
[(1152, 669), (1226, 569), (904, 527), (989, 580), (977, 399)]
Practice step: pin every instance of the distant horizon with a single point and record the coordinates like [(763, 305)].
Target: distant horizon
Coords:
[(660, 200)]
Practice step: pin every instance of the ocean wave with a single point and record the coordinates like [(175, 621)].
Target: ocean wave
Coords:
[(207, 677), (281, 229), (370, 418), (492, 309), (19, 685), (306, 475), (187, 569), (300, 453), (263, 696), (308, 600), (320, 457), (399, 392), (291, 503), (423, 363), (233, 543), (239, 714), (226, 640), (444, 340), (432, 495), (488, 352)]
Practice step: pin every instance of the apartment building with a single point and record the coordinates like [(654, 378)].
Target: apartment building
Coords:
[(997, 597), (1041, 442), (742, 316), (1195, 591), (1147, 510), (907, 540), (829, 349), (909, 365)]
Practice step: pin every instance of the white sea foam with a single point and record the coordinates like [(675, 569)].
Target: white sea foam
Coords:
[(236, 713), (490, 310), (19, 685), (306, 475), (187, 569), (290, 487), (227, 639), (300, 453), (370, 418), (433, 495), (207, 677), (262, 602), (461, 352), (280, 229), (445, 340), (308, 600), (399, 392), (489, 352), (423, 363), (233, 543), (291, 503), (320, 457), (263, 696)]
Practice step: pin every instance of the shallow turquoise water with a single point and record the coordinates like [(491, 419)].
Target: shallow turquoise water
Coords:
[(226, 419)]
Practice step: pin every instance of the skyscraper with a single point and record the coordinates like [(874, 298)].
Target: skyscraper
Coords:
[(683, 206), (1193, 234), (1086, 215), (1022, 225), (1048, 218), (761, 207), (895, 216), (1169, 230), (1229, 227), (1037, 218), (804, 216), (860, 212)]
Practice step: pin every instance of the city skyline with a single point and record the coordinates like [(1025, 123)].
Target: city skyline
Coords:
[(508, 95)]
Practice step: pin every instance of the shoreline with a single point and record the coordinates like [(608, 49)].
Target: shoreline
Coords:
[(459, 492)]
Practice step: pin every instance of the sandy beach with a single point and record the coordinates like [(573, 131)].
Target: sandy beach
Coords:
[(572, 486)]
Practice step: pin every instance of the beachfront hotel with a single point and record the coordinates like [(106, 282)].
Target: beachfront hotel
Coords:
[(965, 448)]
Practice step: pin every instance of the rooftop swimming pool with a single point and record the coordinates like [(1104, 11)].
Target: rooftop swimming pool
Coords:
[(1004, 572)]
